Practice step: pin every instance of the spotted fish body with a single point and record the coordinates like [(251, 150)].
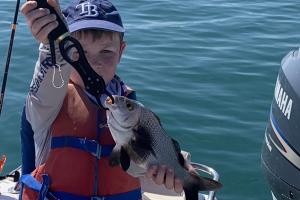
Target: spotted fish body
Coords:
[(164, 152), (141, 139)]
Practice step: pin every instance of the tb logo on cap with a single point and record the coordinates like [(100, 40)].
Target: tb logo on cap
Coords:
[(88, 9)]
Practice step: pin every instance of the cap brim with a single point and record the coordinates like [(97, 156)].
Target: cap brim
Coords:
[(95, 24)]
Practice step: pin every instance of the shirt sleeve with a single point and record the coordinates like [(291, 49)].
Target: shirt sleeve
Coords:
[(47, 91)]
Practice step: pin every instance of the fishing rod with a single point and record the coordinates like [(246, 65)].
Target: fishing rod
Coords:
[(11, 42)]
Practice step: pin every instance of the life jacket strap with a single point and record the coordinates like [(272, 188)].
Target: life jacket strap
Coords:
[(84, 144), (42, 188), (131, 195), (31, 182)]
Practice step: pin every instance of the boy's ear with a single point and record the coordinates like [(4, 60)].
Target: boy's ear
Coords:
[(122, 48)]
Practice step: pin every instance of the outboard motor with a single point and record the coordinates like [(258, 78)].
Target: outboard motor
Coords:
[(281, 149)]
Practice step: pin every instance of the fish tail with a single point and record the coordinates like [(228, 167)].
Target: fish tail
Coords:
[(195, 183)]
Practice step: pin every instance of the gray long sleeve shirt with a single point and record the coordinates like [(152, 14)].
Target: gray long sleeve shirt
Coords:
[(45, 99)]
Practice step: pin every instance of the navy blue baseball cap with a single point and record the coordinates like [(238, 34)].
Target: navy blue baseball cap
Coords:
[(93, 14)]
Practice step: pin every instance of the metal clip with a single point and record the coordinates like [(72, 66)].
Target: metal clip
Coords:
[(103, 125), (61, 78)]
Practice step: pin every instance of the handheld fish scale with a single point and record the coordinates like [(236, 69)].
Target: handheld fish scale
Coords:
[(93, 82)]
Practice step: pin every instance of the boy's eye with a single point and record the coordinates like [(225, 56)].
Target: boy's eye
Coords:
[(106, 51)]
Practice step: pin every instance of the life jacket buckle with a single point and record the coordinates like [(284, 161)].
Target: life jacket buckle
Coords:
[(97, 154)]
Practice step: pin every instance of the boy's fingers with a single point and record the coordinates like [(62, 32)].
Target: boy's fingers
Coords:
[(28, 6), (178, 186), (35, 15), (160, 178), (169, 179), (152, 171), (45, 31), (55, 5), (40, 23)]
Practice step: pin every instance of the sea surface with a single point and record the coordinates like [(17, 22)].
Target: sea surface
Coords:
[(207, 68)]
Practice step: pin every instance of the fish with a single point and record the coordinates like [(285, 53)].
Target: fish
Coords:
[(141, 139)]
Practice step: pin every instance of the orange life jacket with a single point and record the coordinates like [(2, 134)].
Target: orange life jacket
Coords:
[(72, 170)]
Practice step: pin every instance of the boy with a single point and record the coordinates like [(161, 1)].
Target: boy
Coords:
[(64, 115)]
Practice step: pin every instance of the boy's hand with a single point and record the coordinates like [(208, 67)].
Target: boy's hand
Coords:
[(39, 20), (163, 175)]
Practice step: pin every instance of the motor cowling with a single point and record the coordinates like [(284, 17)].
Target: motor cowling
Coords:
[(281, 149)]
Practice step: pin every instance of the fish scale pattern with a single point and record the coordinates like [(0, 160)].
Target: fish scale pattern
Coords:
[(162, 143)]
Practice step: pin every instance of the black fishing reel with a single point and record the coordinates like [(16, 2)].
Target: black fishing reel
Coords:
[(93, 82)]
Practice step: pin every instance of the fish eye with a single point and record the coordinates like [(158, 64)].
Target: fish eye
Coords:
[(129, 106)]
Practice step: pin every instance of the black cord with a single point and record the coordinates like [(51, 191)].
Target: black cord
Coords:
[(52, 50)]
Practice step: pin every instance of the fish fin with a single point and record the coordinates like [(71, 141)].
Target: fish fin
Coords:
[(176, 145), (114, 158), (178, 151), (181, 159), (196, 183), (119, 156), (124, 159), (142, 142), (158, 119)]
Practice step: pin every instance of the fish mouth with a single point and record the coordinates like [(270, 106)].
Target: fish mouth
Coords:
[(109, 105)]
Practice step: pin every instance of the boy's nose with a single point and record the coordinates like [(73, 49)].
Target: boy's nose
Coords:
[(94, 61)]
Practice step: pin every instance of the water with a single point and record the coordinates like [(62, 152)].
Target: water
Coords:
[(207, 68)]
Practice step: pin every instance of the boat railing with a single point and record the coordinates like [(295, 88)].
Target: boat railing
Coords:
[(211, 172)]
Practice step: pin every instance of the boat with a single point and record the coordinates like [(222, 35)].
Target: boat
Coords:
[(9, 186)]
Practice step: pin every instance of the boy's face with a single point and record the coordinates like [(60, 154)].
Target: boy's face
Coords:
[(103, 54)]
